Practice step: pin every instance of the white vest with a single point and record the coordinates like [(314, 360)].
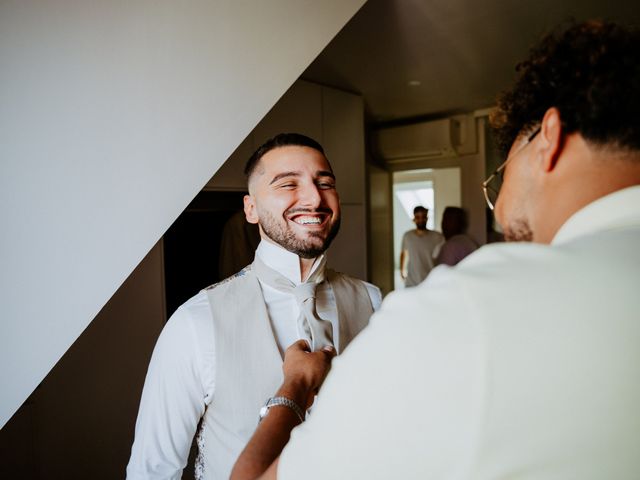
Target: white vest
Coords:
[(249, 364)]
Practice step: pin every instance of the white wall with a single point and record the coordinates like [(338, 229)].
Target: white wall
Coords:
[(79, 422), (336, 120), (113, 115)]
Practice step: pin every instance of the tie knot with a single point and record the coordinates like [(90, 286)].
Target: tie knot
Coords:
[(305, 291)]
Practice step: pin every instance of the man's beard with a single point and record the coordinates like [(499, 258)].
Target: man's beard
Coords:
[(281, 234), (518, 231), (421, 226)]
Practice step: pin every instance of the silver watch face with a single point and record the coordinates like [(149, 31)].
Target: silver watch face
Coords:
[(263, 411)]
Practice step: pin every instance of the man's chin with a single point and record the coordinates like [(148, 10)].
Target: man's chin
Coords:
[(311, 248), (314, 245), (309, 244), (518, 231)]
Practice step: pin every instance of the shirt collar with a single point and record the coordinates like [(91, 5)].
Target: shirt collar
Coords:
[(283, 261), (617, 210)]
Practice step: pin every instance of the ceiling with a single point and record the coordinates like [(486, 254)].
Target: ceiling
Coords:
[(421, 59)]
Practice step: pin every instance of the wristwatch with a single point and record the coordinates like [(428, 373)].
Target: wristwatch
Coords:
[(285, 402)]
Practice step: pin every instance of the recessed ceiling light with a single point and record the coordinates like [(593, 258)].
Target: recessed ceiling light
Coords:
[(414, 83)]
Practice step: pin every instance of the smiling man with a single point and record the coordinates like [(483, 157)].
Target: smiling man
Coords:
[(523, 360), (219, 359), (293, 198)]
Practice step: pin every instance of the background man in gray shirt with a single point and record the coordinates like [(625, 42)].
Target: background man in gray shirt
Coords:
[(419, 247)]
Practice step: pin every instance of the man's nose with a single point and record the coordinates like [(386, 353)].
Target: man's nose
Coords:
[(310, 196)]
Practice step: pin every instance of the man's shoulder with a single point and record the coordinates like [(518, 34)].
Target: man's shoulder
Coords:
[(498, 268), (504, 258), (487, 276), (333, 275), (190, 322), (426, 234), (375, 294), (196, 312), (460, 241), (229, 281)]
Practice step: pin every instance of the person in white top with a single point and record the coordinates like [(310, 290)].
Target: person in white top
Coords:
[(219, 358), (523, 361)]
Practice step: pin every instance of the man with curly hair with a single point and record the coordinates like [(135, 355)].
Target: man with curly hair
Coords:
[(523, 361)]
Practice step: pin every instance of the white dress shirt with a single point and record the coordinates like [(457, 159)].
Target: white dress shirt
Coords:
[(180, 381), (522, 362)]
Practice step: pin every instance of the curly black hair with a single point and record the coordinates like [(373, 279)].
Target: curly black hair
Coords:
[(590, 72)]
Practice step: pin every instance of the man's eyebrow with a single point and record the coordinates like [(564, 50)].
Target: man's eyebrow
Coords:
[(325, 173), (283, 175), (319, 173)]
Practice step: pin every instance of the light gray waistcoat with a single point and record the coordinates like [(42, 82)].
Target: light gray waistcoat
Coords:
[(249, 365)]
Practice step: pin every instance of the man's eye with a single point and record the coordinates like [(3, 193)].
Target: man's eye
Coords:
[(287, 185), (325, 185)]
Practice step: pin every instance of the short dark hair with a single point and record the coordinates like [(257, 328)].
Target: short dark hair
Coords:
[(280, 140), (590, 72), (420, 208)]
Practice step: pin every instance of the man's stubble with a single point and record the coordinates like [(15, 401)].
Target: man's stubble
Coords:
[(518, 231), (280, 233)]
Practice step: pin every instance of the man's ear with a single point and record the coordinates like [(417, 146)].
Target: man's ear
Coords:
[(551, 138), (250, 209)]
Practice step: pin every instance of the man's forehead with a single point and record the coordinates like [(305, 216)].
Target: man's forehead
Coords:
[(293, 158), (289, 159)]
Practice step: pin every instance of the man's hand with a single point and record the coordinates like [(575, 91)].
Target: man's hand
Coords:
[(304, 371), (404, 257)]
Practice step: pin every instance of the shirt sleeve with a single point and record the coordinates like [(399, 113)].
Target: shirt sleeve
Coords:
[(178, 386), (438, 244), (413, 411), (375, 295)]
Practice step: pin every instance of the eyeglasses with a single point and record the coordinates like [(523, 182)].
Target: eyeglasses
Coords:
[(491, 190)]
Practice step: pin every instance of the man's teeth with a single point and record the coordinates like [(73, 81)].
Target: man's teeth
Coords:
[(308, 220)]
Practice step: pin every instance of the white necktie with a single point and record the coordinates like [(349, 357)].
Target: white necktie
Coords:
[(320, 331)]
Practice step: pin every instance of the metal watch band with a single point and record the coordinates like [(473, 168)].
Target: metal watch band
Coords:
[(285, 402)]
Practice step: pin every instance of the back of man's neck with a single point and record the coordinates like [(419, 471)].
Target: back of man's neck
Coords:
[(585, 178)]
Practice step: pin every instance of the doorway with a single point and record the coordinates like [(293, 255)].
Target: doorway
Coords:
[(192, 245), (434, 189)]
